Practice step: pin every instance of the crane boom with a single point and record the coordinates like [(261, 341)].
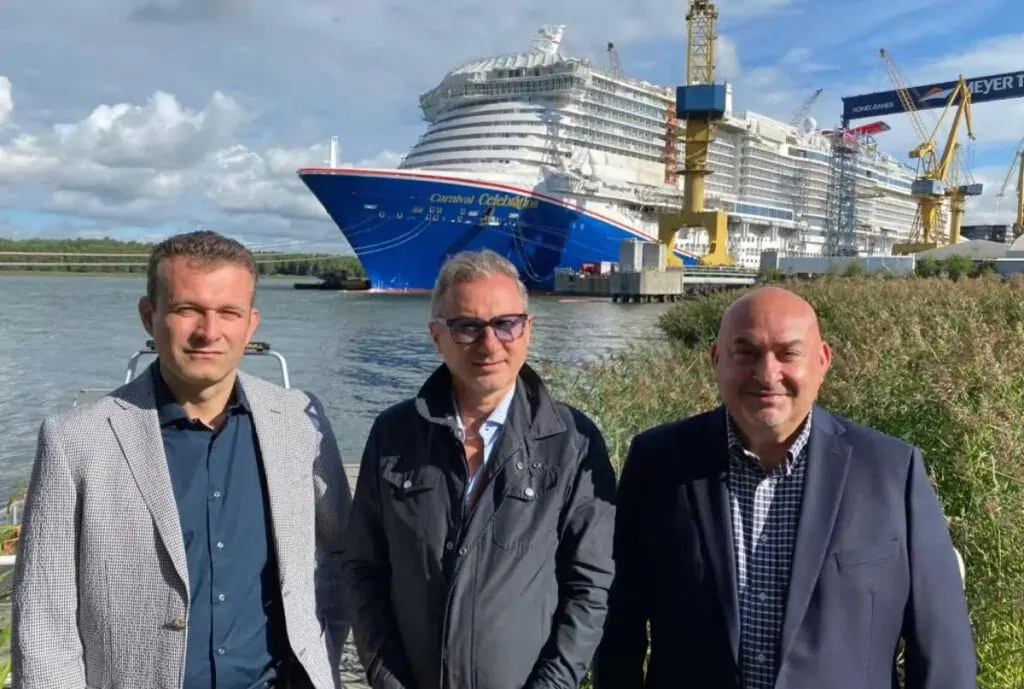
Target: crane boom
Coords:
[(701, 20), (801, 113), (1018, 166)]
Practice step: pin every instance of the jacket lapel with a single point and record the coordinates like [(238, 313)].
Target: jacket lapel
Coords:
[(137, 430), (714, 518), (272, 434), (828, 462)]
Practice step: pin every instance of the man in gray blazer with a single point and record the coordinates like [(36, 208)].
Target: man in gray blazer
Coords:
[(184, 531)]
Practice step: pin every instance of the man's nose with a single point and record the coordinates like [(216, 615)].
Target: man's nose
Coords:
[(767, 371), (209, 326), (489, 339)]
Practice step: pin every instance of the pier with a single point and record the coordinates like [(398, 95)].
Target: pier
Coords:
[(641, 277)]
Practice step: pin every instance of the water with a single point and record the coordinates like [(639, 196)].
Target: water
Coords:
[(359, 353)]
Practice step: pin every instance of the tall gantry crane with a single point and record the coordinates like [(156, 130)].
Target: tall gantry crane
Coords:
[(702, 103), (1016, 166), (932, 184)]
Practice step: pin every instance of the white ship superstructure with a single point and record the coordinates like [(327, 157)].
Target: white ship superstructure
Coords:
[(565, 128)]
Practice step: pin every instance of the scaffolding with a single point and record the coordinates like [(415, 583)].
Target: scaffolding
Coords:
[(841, 197)]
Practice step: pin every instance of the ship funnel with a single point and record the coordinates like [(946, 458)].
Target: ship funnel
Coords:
[(549, 39)]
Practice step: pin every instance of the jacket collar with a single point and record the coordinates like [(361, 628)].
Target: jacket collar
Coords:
[(531, 411)]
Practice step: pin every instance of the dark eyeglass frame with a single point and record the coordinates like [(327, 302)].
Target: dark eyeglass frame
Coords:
[(507, 327)]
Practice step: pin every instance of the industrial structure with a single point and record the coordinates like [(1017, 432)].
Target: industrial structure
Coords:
[(940, 175), (702, 103), (1017, 165)]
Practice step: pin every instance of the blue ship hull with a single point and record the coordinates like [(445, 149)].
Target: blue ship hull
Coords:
[(402, 225)]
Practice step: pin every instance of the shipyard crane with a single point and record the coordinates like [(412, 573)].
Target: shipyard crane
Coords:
[(702, 102), (1018, 166), (805, 108), (613, 57), (930, 188)]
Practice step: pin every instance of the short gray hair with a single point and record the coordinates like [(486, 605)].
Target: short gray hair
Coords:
[(467, 266)]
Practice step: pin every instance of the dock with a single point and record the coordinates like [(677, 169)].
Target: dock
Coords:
[(641, 277)]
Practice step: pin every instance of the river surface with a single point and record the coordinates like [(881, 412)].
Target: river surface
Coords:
[(359, 352)]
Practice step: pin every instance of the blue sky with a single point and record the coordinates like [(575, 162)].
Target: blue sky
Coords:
[(136, 118)]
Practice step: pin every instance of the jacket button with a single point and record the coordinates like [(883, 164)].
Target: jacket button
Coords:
[(529, 492), (177, 623)]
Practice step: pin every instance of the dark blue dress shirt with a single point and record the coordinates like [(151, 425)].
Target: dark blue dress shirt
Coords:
[(235, 626)]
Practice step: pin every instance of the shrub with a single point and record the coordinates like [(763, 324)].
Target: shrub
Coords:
[(932, 361)]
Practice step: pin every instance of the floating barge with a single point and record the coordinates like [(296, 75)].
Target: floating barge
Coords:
[(336, 281)]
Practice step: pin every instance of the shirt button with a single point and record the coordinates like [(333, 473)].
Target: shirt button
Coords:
[(519, 466), (220, 651), (220, 545), (216, 493), (760, 657), (462, 551), (220, 597), (762, 596), (407, 485), (449, 545), (529, 492)]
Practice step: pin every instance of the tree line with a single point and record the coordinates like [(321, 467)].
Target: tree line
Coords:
[(32, 257)]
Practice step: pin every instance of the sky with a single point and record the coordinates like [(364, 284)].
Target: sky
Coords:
[(135, 119)]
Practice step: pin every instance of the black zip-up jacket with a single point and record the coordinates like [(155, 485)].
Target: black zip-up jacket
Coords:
[(510, 596)]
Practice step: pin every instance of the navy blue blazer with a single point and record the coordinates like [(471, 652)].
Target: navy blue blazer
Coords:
[(873, 563)]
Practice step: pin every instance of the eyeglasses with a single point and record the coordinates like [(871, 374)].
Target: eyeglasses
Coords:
[(466, 330)]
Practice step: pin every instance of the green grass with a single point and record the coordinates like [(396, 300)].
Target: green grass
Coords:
[(933, 361)]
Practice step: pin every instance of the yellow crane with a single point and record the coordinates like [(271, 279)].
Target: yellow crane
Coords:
[(930, 188), (1018, 165), (702, 103)]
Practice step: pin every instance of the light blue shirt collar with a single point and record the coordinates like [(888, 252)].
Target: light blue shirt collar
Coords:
[(495, 420), (489, 432)]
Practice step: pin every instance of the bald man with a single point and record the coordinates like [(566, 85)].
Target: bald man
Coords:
[(770, 543)]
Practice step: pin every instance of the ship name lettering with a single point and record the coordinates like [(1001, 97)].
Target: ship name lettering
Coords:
[(508, 200), (452, 198)]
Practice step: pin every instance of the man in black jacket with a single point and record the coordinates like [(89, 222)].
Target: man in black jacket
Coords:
[(479, 549)]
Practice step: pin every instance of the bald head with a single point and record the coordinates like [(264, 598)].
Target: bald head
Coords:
[(770, 361), (773, 304)]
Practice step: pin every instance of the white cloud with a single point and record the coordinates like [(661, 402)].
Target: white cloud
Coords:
[(136, 163)]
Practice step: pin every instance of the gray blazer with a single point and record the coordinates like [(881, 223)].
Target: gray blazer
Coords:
[(100, 585)]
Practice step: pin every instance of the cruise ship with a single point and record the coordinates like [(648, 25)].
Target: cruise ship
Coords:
[(553, 162)]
